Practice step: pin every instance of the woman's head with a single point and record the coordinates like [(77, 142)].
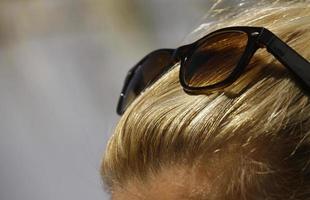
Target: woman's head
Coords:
[(252, 145)]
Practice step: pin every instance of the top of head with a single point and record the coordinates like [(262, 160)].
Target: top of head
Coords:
[(262, 132)]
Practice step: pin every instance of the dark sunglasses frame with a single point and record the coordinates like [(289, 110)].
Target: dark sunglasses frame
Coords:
[(258, 37)]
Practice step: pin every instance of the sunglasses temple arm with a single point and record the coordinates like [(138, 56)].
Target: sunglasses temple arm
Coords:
[(286, 55)]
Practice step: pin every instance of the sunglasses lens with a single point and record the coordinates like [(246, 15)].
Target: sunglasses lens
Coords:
[(215, 59), (147, 71)]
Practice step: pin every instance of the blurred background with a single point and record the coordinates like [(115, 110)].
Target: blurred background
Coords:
[(62, 65)]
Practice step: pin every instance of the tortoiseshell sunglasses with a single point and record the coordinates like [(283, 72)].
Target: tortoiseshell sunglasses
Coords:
[(214, 61)]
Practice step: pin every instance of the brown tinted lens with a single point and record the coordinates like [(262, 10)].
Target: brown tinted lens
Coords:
[(215, 59), (147, 72)]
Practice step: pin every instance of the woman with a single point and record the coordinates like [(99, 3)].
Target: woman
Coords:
[(248, 137)]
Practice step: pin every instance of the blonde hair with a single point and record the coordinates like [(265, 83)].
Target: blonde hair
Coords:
[(255, 144)]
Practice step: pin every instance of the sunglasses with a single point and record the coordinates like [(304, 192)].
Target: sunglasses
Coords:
[(213, 62)]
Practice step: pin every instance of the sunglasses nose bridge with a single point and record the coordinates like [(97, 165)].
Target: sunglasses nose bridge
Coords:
[(182, 51)]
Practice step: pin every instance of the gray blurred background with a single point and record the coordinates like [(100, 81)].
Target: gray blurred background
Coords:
[(62, 64)]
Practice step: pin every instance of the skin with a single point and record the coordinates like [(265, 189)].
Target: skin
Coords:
[(171, 184)]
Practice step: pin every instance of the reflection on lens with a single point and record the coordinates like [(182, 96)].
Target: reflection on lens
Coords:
[(215, 59)]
